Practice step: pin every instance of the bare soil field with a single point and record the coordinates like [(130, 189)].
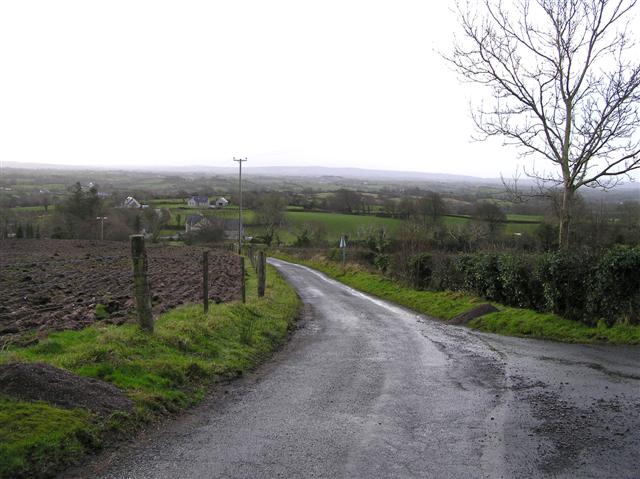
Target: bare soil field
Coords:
[(48, 285)]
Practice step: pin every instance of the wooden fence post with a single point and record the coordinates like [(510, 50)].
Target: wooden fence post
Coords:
[(141, 288), (205, 281), (252, 258), (243, 292), (262, 272)]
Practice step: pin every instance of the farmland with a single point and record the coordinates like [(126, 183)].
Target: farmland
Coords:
[(48, 285), (337, 224)]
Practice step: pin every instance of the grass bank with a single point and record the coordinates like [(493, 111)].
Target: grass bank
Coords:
[(445, 305), (162, 373)]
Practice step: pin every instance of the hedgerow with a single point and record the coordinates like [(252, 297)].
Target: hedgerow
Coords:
[(577, 285)]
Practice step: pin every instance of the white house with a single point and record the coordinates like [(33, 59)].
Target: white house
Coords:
[(198, 202), (194, 223), (222, 202), (131, 202)]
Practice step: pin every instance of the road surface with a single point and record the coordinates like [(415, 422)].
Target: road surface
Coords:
[(367, 389)]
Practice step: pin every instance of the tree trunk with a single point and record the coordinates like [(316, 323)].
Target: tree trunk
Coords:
[(565, 218)]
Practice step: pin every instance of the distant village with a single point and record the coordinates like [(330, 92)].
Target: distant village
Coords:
[(197, 222), (192, 202)]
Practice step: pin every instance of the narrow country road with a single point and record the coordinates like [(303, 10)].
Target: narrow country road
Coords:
[(365, 389)]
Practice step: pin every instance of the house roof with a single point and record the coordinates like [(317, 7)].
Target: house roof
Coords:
[(222, 199), (200, 199), (194, 219)]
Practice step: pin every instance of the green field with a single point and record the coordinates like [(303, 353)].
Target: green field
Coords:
[(525, 218), (515, 223), (296, 218), (337, 224), (38, 208)]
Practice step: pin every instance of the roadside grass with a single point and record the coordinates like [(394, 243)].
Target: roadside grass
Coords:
[(37, 439), (531, 324), (162, 372), (445, 305)]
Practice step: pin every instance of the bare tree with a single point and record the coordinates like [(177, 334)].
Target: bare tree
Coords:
[(271, 214), (564, 87)]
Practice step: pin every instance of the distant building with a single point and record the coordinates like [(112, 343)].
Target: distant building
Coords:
[(194, 223), (231, 229), (198, 202), (222, 202), (131, 202)]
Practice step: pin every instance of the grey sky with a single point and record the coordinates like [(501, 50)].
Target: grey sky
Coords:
[(332, 83)]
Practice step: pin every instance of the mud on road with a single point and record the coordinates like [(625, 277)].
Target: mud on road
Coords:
[(49, 285)]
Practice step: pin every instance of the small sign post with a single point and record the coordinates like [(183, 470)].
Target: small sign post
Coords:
[(262, 273), (343, 247)]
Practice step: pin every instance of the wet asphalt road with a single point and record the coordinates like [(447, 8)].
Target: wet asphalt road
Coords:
[(367, 389)]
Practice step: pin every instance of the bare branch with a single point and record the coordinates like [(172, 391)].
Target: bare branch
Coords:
[(565, 85)]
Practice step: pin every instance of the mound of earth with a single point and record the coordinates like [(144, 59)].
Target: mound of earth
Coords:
[(474, 313), (42, 382)]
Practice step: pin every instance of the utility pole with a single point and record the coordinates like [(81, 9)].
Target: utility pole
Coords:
[(101, 218), (240, 161)]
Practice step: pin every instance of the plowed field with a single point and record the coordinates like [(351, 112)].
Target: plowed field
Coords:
[(50, 285)]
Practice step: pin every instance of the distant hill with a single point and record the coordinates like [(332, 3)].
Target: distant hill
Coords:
[(289, 171), (323, 173), (356, 173)]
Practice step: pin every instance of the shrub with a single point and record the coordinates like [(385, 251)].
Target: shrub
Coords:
[(518, 285), (615, 286), (445, 274), (381, 261), (420, 270), (577, 285), (101, 311), (564, 279), (481, 275)]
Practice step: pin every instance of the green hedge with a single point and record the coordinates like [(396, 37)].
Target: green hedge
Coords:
[(576, 285)]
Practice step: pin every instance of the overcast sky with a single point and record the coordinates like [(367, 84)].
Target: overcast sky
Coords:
[(331, 83)]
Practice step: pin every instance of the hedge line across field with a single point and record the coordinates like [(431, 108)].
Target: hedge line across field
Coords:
[(577, 285)]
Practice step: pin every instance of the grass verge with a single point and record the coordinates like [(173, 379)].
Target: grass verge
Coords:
[(445, 305), (162, 372)]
